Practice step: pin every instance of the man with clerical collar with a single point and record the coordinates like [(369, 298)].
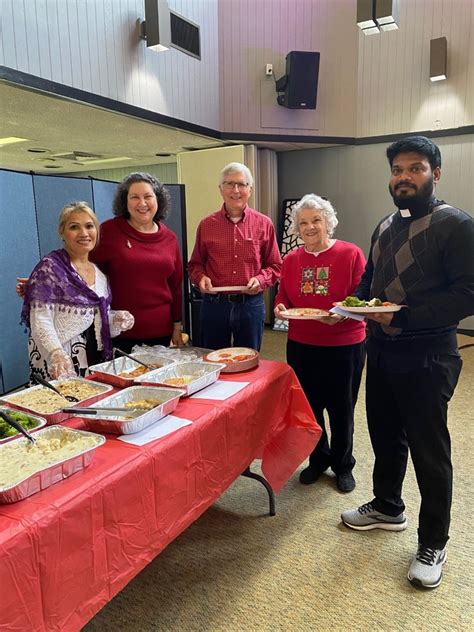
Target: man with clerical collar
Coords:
[(234, 259), (421, 257)]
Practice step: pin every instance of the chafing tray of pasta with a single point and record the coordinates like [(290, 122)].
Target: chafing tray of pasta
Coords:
[(143, 406), (124, 371), (58, 453), (42, 401), (190, 376)]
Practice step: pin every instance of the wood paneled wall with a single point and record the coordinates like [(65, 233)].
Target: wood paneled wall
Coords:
[(93, 45), (395, 93), (256, 32)]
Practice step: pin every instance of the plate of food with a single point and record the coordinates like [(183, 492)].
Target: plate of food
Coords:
[(235, 359), (303, 313), (230, 288), (374, 306)]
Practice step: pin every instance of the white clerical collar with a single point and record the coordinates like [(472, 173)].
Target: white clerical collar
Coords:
[(405, 212)]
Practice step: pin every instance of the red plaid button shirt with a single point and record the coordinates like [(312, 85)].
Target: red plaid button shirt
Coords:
[(231, 253)]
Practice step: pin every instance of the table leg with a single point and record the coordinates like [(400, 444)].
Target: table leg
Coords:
[(271, 496)]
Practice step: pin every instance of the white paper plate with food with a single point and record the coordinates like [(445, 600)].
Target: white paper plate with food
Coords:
[(230, 288), (370, 309), (303, 313), (235, 359)]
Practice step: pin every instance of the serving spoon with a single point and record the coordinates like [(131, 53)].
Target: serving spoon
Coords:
[(17, 425), (40, 380), (120, 352)]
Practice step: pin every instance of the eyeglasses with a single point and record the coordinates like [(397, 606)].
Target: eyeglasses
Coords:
[(231, 185)]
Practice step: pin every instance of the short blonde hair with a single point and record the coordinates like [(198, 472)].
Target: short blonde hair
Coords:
[(76, 207), (236, 167), (318, 204)]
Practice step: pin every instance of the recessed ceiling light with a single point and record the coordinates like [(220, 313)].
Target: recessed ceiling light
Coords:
[(8, 140), (38, 150), (163, 155), (52, 166)]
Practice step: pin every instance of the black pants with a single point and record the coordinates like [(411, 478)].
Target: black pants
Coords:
[(408, 410), (330, 378)]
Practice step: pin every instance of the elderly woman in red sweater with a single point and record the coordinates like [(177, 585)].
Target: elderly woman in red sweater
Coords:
[(142, 261), (327, 355)]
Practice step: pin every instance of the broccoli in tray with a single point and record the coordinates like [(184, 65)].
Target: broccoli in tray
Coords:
[(25, 420)]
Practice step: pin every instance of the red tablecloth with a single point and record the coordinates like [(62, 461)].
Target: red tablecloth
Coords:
[(66, 551)]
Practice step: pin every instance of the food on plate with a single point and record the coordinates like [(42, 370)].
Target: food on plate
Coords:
[(242, 357), (76, 388), (353, 301), (183, 380), (21, 459), (140, 370), (25, 420), (42, 400), (143, 404), (304, 311)]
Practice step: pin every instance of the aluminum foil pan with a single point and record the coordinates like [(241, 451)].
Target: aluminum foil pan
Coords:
[(202, 374), (57, 416), (41, 422), (53, 473), (105, 370), (115, 424)]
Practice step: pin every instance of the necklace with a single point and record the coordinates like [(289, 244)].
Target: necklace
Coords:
[(86, 272)]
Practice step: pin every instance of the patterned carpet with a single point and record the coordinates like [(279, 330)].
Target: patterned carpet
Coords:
[(237, 569)]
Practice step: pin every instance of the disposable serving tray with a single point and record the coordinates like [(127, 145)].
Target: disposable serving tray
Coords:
[(204, 374), (57, 416), (116, 424), (54, 473)]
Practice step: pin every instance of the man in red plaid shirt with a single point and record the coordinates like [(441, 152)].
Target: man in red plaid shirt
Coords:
[(234, 259)]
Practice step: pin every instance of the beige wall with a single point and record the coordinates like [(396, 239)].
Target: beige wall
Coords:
[(199, 171)]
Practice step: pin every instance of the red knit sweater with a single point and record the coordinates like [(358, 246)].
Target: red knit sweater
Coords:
[(145, 273), (319, 281)]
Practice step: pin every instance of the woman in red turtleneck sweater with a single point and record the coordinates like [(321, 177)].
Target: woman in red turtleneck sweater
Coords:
[(142, 261)]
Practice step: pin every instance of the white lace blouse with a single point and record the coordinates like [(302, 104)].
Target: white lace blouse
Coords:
[(52, 326)]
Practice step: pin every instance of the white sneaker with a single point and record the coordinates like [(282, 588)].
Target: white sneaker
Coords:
[(426, 570)]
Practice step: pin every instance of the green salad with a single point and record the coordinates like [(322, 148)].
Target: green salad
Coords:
[(353, 301), (26, 421)]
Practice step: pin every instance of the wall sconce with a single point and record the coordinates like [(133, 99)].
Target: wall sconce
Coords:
[(156, 29), (374, 16), (387, 14), (438, 59)]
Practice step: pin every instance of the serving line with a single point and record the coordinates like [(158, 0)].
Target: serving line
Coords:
[(99, 528)]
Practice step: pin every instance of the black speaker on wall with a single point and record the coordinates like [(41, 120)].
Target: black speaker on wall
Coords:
[(299, 85)]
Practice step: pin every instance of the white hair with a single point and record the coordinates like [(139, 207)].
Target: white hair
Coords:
[(318, 204), (236, 167)]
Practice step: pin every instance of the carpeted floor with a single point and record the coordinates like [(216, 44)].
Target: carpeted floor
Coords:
[(237, 569)]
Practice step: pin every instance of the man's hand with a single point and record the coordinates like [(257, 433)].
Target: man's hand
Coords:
[(333, 319), (382, 318), (205, 286), (253, 286)]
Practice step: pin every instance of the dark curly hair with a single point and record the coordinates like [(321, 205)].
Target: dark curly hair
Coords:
[(418, 144), (119, 204)]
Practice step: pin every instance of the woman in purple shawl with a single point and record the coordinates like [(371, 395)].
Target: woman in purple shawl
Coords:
[(67, 302)]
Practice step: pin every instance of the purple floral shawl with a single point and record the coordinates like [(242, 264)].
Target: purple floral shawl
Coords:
[(54, 281)]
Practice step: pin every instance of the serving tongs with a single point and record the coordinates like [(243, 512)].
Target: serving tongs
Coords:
[(40, 380), (130, 412), (117, 351), (17, 425)]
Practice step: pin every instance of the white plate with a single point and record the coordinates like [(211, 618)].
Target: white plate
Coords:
[(230, 288), (303, 313), (371, 310)]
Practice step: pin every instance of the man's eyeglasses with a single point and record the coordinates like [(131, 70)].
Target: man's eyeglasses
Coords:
[(231, 185)]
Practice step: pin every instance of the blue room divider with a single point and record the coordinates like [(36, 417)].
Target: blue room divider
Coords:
[(29, 210)]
